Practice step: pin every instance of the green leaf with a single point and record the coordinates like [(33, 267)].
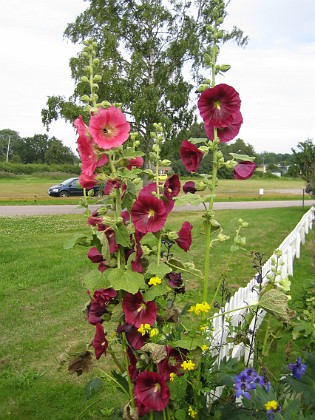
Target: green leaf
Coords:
[(180, 414), (158, 270), (95, 280), (122, 236), (155, 291), (242, 158), (198, 140), (77, 239), (127, 280), (189, 343), (128, 200), (131, 153), (177, 265), (94, 386), (276, 303), (303, 329), (121, 380)]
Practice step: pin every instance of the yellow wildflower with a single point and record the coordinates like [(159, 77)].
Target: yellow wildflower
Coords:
[(154, 281), (200, 308), (154, 332), (172, 376), (188, 365), (191, 412), (203, 327), (271, 405), (204, 347), (144, 328)]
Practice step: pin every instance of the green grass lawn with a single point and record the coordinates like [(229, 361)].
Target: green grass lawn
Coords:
[(29, 189), (42, 299)]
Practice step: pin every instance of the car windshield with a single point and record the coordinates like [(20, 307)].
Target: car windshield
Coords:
[(69, 181)]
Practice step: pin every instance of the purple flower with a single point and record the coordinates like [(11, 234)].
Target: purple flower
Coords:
[(298, 369), (247, 380)]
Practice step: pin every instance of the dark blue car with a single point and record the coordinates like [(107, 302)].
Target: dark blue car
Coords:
[(69, 187)]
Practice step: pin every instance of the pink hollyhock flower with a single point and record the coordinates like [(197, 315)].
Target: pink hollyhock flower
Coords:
[(228, 133), (148, 213), (218, 105), (244, 170), (190, 155), (82, 128), (152, 391), (99, 343), (109, 128), (189, 187), (184, 239), (87, 181), (135, 162), (172, 187), (137, 311), (172, 363), (135, 339)]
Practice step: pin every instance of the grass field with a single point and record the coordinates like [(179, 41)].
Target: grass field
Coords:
[(33, 190), (42, 299)]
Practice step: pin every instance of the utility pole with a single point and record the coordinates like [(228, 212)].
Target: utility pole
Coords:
[(8, 149)]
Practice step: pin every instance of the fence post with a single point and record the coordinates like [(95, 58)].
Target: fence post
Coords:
[(290, 260)]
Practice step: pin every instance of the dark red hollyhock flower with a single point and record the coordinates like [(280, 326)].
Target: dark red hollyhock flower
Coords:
[(135, 162), (98, 305), (135, 339), (87, 181), (148, 213), (132, 368), (218, 105), (99, 343), (189, 187), (190, 155), (109, 128), (95, 255), (172, 187), (184, 239), (125, 216), (137, 311), (244, 170), (175, 281), (171, 363), (228, 133), (152, 391), (104, 296)]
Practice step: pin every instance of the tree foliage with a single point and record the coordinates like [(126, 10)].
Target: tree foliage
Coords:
[(143, 48), (304, 158)]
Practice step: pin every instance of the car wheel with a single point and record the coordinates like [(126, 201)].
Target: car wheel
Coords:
[(64, 194)]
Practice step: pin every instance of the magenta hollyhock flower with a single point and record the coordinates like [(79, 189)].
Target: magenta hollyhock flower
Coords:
[(189, 187), (99, 342), (135, 162), (190, 155), (184, 239), (148, 213), (87, 181), (109, 128), (137, 311), (244, 170), (228, 133), (172, 187), (152, 391), (219, 105), (95, 255), (171, 363)]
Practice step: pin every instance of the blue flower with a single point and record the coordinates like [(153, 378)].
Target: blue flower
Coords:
[(247, 380), (298, 369)]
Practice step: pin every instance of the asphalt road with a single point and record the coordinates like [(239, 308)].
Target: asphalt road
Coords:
[(7, 211)]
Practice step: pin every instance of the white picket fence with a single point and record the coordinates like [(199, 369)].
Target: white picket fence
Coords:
[(237, 306)]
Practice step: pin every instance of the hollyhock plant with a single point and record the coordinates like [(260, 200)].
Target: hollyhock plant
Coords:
[(109, 128), (100, 343), (190, 155), (244, 170), (219, 105), (152, 391), (137, 311)]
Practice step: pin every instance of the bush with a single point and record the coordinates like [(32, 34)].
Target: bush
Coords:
[(37, 168)]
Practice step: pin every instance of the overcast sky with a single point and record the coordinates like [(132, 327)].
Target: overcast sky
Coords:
[(274, 74)]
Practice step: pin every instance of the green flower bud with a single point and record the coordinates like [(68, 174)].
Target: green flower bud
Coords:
[(85, 98), (106, 104), (112, 262), (153, 134), (219, 154), (87, 69), (200, 186), (225, 67), (166, 162), (202, 88), (84, 79), (156, 148), (97, 78), (85, 53), (204, 149), (172, 235), (207, 59), (118, 104), (136, 143)]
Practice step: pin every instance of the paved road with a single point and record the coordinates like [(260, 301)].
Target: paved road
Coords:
[(6, 211)]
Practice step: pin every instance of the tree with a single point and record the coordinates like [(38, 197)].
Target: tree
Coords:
[(8, 140), (143, 46), (304, 158), (57, 153)]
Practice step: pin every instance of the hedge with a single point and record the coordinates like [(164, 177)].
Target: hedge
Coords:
[(33, 168)]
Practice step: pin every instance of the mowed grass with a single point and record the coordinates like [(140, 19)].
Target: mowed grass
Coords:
[(33, 190), (42, 298)]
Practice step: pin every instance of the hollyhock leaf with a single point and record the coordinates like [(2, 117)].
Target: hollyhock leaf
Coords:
[(122, 236), (94, 386), (276, 303), (155, 291), (177, 265), (183, 200), (128, 200), (242, 157), (76, 239), (96, 280), (131, 153), (122, 382), (178, 392), (198, 140), (181, 413), (158, 270), (127, 280)]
